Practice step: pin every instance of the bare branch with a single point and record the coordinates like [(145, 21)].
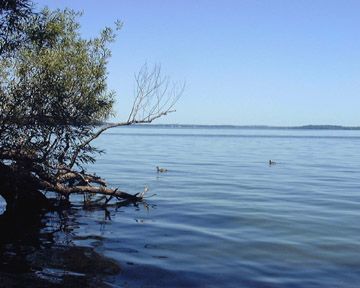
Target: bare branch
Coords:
[(153, 99)]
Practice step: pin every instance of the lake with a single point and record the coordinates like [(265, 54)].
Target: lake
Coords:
[(222, 216)]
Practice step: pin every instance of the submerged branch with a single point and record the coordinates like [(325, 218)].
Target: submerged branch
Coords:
[(73, 182)]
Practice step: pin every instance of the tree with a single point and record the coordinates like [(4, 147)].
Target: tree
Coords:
[(13, 17), (53, 101)]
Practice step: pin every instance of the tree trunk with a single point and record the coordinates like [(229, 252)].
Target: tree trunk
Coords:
[(20, 192)]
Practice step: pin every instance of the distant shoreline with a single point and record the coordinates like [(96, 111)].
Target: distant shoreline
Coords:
[(259, 127)]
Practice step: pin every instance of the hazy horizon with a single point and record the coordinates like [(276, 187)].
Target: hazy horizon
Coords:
[(306, 126)]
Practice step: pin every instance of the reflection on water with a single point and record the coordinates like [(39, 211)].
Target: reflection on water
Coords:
[(221, 216), (225, 218), (39, 249), (2, 205)]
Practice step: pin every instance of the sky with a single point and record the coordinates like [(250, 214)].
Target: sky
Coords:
[(245, 62)]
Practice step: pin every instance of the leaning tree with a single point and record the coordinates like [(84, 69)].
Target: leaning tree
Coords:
[(54, 102)]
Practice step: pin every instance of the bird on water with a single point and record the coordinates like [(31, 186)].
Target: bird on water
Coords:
[(160, 170), (272, 162)]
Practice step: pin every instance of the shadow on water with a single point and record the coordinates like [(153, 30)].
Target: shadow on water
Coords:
[(38, 249), (51, 250)]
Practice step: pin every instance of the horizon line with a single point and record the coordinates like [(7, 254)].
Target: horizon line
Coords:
[(305, 127)]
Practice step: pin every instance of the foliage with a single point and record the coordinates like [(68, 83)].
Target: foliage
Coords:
[(53, 90), (13, 18), (54, 102)]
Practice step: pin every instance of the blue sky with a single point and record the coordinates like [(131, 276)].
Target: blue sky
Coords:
[(245, 62)]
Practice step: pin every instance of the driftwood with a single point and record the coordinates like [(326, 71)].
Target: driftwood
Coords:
[(64, 182)]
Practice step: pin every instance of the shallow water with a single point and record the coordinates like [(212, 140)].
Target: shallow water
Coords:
[(221, 216)]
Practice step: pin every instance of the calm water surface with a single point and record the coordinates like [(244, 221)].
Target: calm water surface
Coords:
[(222, 217)]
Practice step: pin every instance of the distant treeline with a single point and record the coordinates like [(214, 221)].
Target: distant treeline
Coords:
[(260, 127)]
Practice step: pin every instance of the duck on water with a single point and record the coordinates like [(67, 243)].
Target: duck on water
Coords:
[(160, 170)]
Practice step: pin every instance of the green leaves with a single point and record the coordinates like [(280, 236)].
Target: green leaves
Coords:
[(53, 89), (68, 72)]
